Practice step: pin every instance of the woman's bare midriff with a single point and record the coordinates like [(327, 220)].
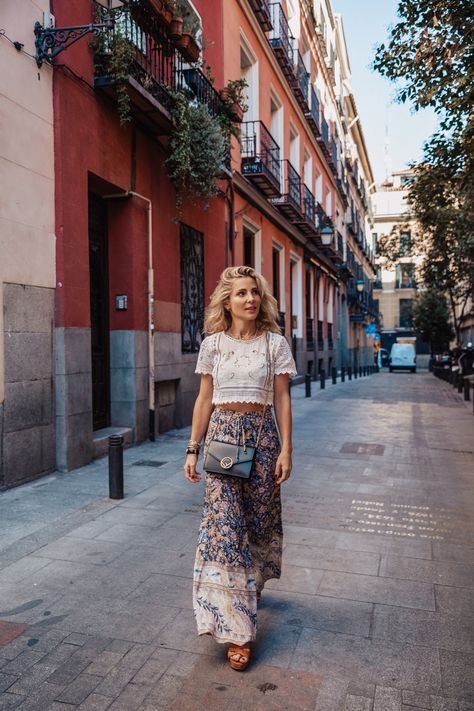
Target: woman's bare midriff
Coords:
[(241, 406)]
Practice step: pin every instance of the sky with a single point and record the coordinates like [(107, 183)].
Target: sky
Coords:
[(365, 25)]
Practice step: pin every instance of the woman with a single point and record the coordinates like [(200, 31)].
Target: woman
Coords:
[(245, 364)]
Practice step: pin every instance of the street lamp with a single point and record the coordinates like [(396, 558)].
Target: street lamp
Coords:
[(360, 285), (327, 234), (50, 41)]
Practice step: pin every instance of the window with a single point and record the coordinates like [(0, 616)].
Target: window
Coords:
[(378, 278), (308, 170), (278, 281), (406, 313), (405, 244), (294, 149), (328, 203), (374, 242), (319, 188), (405, 276), (192, 288), (249, 72), (249, 248)]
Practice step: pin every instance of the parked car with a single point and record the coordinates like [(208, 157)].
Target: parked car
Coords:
[(402, 357)]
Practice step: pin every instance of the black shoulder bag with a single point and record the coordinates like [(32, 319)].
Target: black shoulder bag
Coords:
[(234, 459)]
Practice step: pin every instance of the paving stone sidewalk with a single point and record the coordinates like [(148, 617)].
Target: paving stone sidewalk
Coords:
[(374, 611)]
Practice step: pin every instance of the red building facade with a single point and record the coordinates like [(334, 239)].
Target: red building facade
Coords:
[(133, 272)]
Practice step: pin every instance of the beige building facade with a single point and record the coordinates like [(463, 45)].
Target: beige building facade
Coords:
[(395, 288), (27, 250)]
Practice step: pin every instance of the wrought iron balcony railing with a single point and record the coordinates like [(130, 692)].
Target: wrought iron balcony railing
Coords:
[(157, 68), (261, 157), (325, 131), (281, 39), (262, 12), (300, 83), (194, 81), (155, 63), (289, 203), (340, 245), (313, 115), (309, 223)]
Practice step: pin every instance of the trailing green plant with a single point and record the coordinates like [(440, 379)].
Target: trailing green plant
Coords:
[(236, 89), (197, 151), (119, 66)]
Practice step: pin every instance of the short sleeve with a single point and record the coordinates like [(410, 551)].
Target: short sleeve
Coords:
[(205, 361), (284, 362)]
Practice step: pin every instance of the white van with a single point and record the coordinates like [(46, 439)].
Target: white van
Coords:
[(402, 357)]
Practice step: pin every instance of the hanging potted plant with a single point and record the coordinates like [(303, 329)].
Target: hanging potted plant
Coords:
[(187, 44), (160, 8), (197, 151), (176, 24), (236, 102)]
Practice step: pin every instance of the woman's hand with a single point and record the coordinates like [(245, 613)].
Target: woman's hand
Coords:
[(190, 468), (283, 467)]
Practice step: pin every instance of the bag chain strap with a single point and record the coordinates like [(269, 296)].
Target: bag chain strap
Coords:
[(267, 354)]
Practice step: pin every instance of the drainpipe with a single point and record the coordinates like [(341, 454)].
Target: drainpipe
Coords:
[(151, 311)]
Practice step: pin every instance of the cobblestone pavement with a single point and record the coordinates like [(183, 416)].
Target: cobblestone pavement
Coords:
[(374, 611)]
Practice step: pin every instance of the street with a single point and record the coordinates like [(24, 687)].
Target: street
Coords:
[(374, 611)]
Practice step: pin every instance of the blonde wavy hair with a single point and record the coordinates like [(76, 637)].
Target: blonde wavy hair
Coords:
[(218, 318)]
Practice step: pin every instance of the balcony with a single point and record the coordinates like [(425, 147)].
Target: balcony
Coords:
[(289, 203), (309, 225), (199, 87), (262, 12), (323, 139), (313, 115), (154, 69), (260, 158), (309, 334), (281, 40), (349, 267), (405, 283), (300, 82)]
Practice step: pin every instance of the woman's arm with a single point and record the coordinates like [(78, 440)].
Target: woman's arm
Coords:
[(282, 402), (201, 414)]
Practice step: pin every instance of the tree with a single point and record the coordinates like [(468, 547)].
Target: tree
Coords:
[(431, 319), (430, 54)]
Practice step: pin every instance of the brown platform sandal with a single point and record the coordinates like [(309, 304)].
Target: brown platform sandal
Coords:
[(238, 657)]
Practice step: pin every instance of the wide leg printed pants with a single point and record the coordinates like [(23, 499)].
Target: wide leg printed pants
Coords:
[(240, 537)]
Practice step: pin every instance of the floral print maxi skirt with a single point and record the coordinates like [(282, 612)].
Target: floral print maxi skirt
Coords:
[(240, 537)]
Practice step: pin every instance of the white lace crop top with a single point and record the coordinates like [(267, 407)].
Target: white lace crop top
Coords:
[(240, 370)]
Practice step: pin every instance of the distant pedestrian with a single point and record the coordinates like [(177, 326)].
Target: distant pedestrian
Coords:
[(245, 366)]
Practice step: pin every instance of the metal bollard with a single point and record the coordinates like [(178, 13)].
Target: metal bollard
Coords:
[(116, 467), (349, 372), (460, 383), (322, 378), (360, 371), (307, 385), (356, 372), (343, 374), (466, 389)]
